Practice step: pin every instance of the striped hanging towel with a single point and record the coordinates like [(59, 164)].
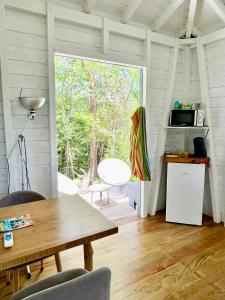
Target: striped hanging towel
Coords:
[(138, 152)]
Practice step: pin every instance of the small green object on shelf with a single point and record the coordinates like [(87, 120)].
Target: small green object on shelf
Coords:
[(186, 106), (177, 104)]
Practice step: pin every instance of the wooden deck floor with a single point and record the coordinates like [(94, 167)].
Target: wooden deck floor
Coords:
[(118, 211), (152, 259)]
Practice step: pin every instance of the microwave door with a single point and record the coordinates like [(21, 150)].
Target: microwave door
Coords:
[(183, 117)]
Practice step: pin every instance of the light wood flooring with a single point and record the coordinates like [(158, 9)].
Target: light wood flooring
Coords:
[(152, 259)]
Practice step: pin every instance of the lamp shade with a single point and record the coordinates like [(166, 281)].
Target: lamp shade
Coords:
[(32, 103)]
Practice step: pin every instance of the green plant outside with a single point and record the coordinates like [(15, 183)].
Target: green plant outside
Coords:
[(94, 103)]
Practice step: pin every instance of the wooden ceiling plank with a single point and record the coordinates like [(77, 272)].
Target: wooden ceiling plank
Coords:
[(181, 32), (88, 6), (173, 6), (218, 7), (130, 10), (191, 17), (196, 31)]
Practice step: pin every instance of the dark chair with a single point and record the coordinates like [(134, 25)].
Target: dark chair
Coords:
[(77, 284), (21, 197)]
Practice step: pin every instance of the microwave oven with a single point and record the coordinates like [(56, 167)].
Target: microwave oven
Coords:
[(187, 117)]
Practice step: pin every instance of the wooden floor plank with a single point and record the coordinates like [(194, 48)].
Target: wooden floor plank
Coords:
[(152, 259)]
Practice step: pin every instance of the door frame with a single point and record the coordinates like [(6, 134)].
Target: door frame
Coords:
[(142, 207)]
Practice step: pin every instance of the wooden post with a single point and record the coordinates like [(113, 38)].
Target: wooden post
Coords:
[(163, 131), (105, 36), (211, 151), (186, 73), (6, 95), (88, 256), (185, 85), (145, 186), (52, 101)]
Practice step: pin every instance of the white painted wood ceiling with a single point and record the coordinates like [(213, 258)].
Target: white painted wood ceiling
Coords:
[(171, 17)]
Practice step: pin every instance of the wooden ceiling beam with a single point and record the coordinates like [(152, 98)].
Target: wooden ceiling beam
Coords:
[(195, 31), (88, 6), (191, 17), (173, 6), (132, 7), (218, 7)]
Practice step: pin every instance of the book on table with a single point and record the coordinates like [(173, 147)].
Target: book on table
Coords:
[(15, 223)]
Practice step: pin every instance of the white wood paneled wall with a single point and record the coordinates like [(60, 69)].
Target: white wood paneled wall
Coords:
[(26, 30), (27, 68), (84, 41), (216, 78)]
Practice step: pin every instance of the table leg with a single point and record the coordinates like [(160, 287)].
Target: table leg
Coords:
[(88, 257), (58, 262), (108, 196), (42, 265), (8, 273), (101, 199), (16, 280)]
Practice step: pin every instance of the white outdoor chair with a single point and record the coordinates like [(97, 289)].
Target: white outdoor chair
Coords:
[(114, 174)]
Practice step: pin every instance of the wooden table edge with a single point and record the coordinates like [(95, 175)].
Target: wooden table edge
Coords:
[(56, 249)]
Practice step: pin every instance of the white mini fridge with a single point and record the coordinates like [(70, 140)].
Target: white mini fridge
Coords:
[(185, 192)]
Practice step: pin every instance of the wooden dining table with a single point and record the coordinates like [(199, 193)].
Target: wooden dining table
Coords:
[(58, 224)]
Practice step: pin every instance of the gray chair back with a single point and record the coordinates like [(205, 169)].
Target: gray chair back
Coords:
[(77, 284), (20, 197)]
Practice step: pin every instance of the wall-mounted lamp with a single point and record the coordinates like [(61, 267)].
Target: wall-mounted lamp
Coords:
[(32, 104)]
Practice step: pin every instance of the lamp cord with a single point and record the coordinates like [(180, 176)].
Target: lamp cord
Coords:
[(24, 164), (21, 160), (22, 144)]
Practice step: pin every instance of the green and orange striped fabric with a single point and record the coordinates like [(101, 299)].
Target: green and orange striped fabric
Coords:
[(138, 152)]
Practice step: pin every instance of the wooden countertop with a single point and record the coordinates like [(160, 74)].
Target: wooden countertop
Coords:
[(187, 160)]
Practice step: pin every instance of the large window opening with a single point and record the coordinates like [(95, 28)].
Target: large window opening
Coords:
[(94, 104)]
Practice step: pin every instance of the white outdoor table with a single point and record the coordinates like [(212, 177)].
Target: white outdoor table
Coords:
[(99, 188)]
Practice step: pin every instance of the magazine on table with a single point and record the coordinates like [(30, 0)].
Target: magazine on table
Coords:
[(15, 223)]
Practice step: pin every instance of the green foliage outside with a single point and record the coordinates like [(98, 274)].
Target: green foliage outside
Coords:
[(95, 102)]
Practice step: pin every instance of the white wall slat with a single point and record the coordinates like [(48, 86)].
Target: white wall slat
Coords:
[(27, 68), (27, 54), (26, 40)]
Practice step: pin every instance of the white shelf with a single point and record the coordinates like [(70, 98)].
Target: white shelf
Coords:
[(187, 127)]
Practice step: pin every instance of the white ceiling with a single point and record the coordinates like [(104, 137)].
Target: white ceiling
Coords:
[(165, 16)]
